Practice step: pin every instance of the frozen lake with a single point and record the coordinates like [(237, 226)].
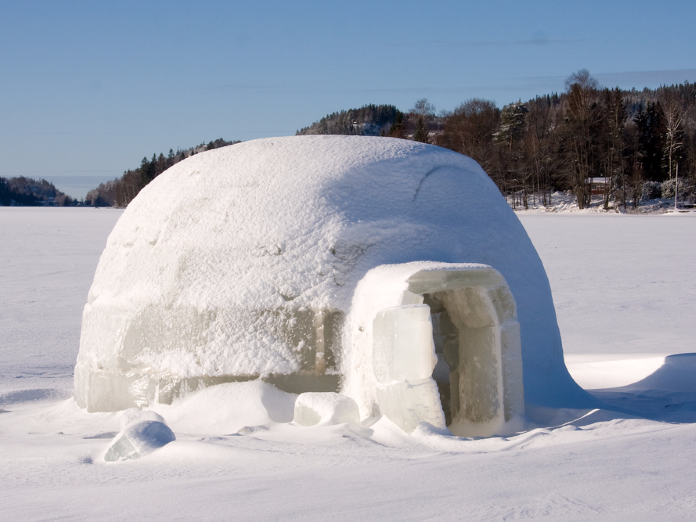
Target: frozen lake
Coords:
[(623, 287), (625, 296)]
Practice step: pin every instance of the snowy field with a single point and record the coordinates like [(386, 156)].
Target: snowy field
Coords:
[(625, 296)]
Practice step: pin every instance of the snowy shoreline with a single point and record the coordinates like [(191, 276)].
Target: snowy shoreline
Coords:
[(562, 203)]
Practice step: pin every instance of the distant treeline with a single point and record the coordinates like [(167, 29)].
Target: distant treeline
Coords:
[(121, 191), (557, 141), (636, 141), (23, 191), (370, 120)]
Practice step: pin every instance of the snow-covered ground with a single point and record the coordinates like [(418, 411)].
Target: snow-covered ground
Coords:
[(625, 296), (623, 287)]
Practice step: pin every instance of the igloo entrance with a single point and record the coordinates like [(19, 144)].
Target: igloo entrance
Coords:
[(450, 353)]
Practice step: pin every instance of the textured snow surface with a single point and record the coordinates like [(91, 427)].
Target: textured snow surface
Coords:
[(623, 288), (625, 292), (48, 255), (217, 262)]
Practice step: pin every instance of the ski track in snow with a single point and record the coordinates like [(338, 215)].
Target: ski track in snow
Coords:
[(625, 297)]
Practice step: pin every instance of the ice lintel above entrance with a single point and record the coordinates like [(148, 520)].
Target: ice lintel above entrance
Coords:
[(441, 280)]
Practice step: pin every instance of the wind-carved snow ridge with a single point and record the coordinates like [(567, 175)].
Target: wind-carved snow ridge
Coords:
[(258, 261)]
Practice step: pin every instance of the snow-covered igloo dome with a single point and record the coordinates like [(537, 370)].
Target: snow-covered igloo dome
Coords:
[(390, 270)]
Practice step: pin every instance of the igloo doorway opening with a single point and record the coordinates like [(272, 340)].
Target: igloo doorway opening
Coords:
[(450, 353)]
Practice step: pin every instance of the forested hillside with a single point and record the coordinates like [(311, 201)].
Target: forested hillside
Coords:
[(634, 139), (636, 142), (370, 120), (121, 191), (29, 191)]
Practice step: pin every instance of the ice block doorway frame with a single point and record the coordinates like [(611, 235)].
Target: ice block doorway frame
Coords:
[(471, 335)]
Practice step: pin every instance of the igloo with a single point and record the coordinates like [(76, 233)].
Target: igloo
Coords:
[(387, 270)]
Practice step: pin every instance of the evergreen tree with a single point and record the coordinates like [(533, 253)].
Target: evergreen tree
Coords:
[(650, 123), (512, 119), (421, 133), (509, 138), (5, 196), (396, 130)]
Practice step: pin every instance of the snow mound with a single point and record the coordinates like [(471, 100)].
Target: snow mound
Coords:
[(226, 408), (677, 374), (313, 408), (250, 262)]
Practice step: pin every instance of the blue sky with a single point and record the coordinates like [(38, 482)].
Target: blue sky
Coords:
[(89, 88)]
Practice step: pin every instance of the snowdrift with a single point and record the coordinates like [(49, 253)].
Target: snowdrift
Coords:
[(389, 270), (675, 375)]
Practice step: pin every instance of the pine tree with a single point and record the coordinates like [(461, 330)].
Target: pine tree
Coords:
[(397, 127), (421, 133), (509, 138), (650, 123), (512, 119)]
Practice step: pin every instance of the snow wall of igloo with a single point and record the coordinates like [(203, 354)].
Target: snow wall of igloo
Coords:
[(245, 262)]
